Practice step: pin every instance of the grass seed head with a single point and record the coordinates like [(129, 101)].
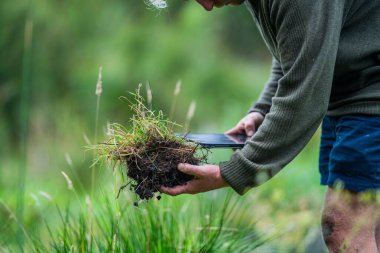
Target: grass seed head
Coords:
[(190, 114), (177, 89), (70, 185), (45, 195), (98, 90)]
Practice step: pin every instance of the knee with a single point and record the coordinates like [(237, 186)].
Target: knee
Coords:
[(334, 228), (328, 227)]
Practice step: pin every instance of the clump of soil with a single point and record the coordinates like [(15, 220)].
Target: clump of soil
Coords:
[(153, 163), (150, 152)]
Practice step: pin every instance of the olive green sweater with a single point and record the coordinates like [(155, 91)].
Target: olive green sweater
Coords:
[(326, 59)]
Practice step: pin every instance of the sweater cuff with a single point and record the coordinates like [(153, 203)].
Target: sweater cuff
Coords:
[(236, 173)]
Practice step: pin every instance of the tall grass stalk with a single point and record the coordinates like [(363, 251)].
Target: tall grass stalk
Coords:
[(98, 93), (70, 187), (86, 213), (69, 162), (20, 229), (24, 123), (190, 115), (177, 90), (149, 96)]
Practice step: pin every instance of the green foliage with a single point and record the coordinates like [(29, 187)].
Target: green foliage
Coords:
[(170, 225), (162, 226)]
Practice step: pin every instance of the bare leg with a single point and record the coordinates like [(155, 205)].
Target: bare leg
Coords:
[(349, 222), (378, 236)]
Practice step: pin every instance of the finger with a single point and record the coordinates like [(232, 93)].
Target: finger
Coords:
[(173, 191), (238, 129), (249, 127), (189, 187), (190, 169)]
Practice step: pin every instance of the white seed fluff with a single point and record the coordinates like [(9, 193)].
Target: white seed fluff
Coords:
[(159, 4)]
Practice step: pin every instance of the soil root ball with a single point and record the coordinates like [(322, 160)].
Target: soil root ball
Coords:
[(154, 164)]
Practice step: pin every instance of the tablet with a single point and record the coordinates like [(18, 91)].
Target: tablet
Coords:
[(216, 140)]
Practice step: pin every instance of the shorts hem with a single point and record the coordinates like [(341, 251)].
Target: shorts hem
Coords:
[(350, 186)]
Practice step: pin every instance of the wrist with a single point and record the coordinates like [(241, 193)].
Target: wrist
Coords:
[(223, 182)]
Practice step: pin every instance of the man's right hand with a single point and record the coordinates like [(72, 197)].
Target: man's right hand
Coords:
[(248, 125)]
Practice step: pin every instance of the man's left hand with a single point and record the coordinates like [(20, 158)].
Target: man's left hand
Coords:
[(206, 178)]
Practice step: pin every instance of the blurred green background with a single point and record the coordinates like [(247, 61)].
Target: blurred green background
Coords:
[(50, 54)]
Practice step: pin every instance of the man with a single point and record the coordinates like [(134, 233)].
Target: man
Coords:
[(326, 67)]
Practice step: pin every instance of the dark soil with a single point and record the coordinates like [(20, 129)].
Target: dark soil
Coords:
[(154, 164)]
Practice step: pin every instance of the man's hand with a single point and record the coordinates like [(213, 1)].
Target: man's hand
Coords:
[(248, 125), (207, 178)]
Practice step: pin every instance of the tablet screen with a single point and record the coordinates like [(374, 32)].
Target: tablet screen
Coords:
[(216, 140)]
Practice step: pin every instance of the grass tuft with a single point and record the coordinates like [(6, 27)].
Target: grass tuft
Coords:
[(150, 151)]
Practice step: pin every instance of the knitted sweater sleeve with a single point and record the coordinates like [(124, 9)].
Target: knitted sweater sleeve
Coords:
[(264, 103), (307, 38)]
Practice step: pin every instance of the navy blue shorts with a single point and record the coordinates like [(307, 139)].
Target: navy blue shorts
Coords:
[(350, 152)]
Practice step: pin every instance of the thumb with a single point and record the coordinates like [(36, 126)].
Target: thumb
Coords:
[(249, 128), (238, 129), (190, 169)]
